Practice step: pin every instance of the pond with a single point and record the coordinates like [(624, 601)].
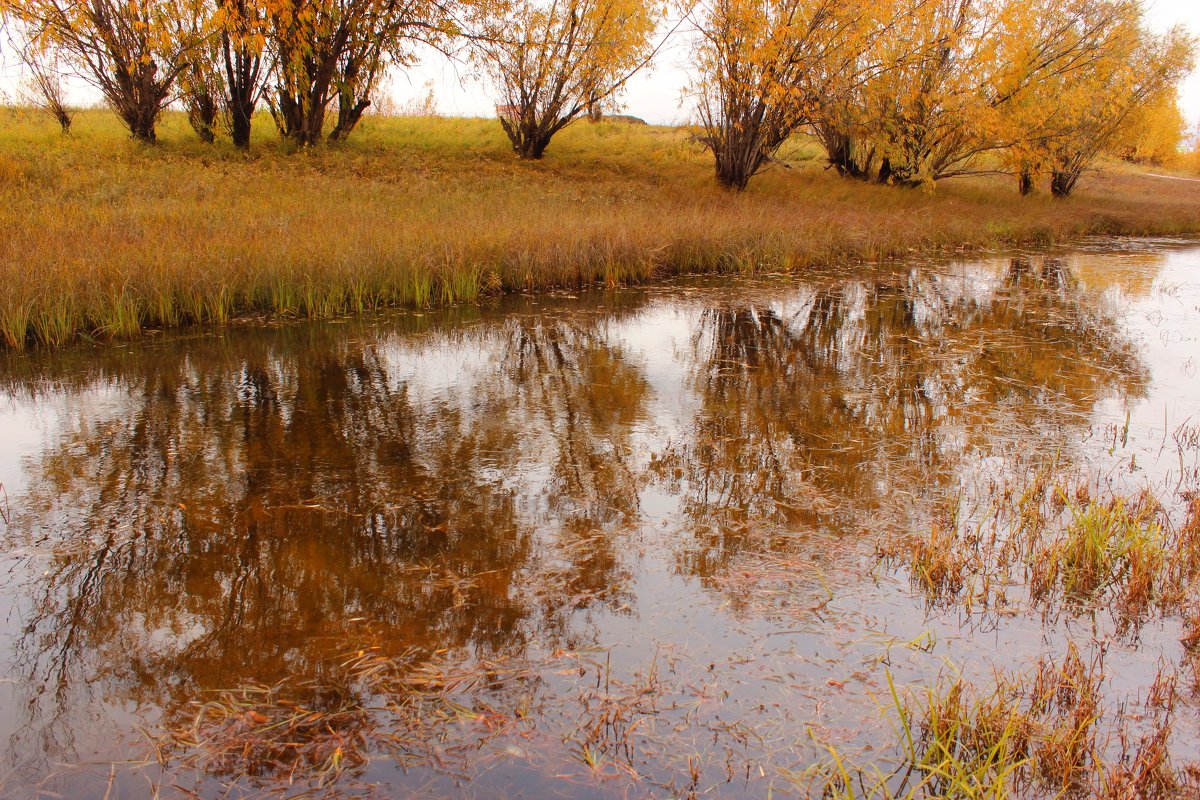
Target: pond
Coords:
[(654, 542)]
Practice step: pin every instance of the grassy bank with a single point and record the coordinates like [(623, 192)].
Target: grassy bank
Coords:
[(106, 238)]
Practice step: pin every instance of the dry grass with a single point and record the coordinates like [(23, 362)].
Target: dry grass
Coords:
[(423, 711), (105, 238), (257, 731), (1062, 542), (317, 733), (1044, 733)]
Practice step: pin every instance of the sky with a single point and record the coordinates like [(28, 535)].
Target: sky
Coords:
[(1165, 13), (656, 95)]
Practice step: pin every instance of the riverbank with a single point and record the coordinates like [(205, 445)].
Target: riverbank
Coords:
[(106, 238)]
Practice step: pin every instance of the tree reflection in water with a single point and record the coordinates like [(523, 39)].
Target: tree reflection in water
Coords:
[(828, 411), (254, 515), (255, 507)]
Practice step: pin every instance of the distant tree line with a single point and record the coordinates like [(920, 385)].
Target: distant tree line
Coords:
[(904, 92)]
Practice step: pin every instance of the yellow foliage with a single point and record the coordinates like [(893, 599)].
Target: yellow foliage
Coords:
[(1153, 133), (1123, 71), (132, 51), (764, 67)]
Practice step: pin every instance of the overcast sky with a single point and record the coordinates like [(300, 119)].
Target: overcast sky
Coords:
[(655, 95)]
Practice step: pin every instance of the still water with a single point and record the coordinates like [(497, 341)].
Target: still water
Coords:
[(623, 543)]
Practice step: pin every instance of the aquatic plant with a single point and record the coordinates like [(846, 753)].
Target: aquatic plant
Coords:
[(1042, 733), (1063, 542)]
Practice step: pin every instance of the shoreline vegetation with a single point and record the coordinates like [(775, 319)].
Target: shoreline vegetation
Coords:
[(108, 238)]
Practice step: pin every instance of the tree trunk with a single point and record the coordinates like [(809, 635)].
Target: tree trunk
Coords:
[(350, 111), (242, 75), (532, 147), (839, 149), (140, 101), (528, 136), (735, 169), (1062, 182), (239, 124), (143, 132), (204, 129), (202, 111), (732, 177), (141, 123), (1025, 183), (738, 152), (301, 117), (885, 171)]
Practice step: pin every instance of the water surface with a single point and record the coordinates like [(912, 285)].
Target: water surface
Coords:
[(622, 543)]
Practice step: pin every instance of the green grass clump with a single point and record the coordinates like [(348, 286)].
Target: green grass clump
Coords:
[(1106, 542), (1068, 546), (105, 237), (1044, 733)]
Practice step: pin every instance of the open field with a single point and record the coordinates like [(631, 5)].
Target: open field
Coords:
[(106, 238)]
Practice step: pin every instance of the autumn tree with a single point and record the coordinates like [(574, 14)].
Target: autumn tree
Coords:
[(44, 82), (926, 114), (845, 114), (553, 61), (906, 49), (957, 84), (1097, 105), (200, 92), (200, 89), (241, 63), (130, 50), (226, 72), (1070, 117), (328, 51), (1152, 134), (764, 65), (1047, 46), (840, 127)]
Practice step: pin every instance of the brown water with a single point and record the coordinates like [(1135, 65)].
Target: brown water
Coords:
[(614, 544)]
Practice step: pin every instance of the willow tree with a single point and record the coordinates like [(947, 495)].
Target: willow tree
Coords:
[(44, 83), (961, 84), (842, 120), (839, 125), (764, 66), (132, 51), (335, 51), (1049, 53), (1086, 110), (1152, 134), (928, 114), (200, 89), (553, 62), (226, 75)]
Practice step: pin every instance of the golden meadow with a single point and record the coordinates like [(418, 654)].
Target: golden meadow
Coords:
[(106, 238)]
